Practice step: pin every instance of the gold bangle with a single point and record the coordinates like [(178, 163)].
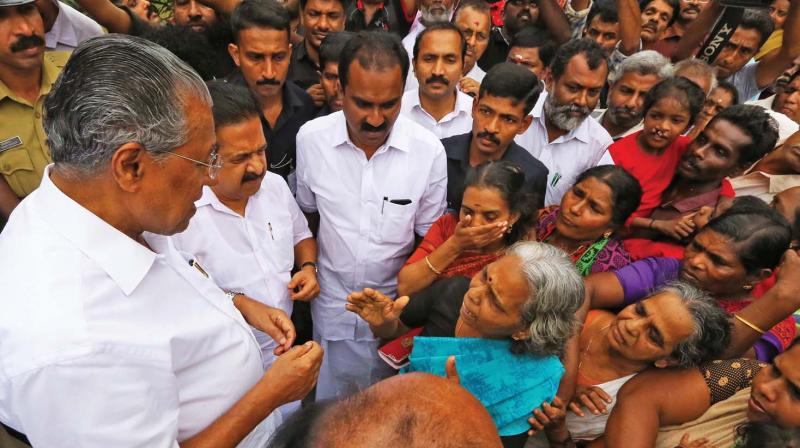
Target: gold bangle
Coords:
[(430, 266), (749, 324)]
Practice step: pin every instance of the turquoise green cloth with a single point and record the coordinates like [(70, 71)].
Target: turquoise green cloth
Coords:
[(509, 386)]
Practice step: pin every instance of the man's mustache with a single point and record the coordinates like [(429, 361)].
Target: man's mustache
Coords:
[(489, 136), (268, 82), (366, 127), (437, 78), (248, 176), (26, 42)]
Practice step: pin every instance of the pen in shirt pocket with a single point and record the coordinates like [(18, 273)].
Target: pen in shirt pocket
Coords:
[(394, 201)]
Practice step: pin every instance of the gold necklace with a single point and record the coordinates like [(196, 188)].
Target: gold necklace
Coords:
[(585, 352)]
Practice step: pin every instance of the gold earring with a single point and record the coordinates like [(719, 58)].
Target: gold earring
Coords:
[(607, 235), (747, 287)]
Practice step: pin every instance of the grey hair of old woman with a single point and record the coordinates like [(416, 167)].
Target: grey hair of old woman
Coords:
[(555, 293)]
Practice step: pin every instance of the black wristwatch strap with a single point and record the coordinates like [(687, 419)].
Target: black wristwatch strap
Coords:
[(309, 263)]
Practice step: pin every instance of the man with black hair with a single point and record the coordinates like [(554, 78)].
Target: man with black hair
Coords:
[(374, 180), (474, 19), (201, 17), (545, 15), (437, 104), (228, 227), (532, 50), (262, 51), (688, 12), (602, 25), (26, 76), (319, 18), (329, 52), (563, 136), (734, 62), (499, 113)]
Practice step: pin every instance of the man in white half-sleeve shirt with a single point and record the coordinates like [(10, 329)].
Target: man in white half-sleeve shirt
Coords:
[(248, 232), (436, 103), (108, 336), (563, 136), (376, 180)]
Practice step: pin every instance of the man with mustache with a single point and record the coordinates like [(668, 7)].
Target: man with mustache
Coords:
[(248, 231), (375, 181), (26, 76), (262, 51), (546, 15), (437, 104), (192, 15), (734, 62), (628, 85), (499, 113), (563, 136), (474, 19), (319, 18), (430, 12), (688, 12), (122, 340)]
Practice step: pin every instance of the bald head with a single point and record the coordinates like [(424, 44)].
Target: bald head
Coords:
[(416, 410)]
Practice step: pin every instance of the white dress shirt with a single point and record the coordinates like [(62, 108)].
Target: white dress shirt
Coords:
[(364, 239), (786, 126), (104, 342), (568, 155), (253, 254), (70, 29), (457, 122), (476, 73)]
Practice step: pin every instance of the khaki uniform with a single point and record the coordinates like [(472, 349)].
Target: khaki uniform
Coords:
[(23, 143)]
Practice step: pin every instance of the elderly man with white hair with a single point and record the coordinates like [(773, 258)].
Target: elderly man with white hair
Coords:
[(628, 85), (109, 336)]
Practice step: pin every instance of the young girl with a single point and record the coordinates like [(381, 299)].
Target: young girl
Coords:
[(652, 154)]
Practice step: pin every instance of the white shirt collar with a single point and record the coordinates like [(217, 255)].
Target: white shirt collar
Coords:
[(463, 103), (123, 259)]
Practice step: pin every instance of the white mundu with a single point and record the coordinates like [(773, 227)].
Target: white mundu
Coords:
[(252, 254), (369, 211), (106, 343)]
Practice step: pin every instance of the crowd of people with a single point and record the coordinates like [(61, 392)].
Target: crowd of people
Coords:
[(417, 223)]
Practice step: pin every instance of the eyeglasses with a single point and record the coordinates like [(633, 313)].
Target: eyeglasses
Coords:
[(214, 163)]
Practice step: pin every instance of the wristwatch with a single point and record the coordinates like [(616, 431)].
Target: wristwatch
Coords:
[(309, 263)]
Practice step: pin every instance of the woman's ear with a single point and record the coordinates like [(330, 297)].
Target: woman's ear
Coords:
[(521, 335), (663, 363)]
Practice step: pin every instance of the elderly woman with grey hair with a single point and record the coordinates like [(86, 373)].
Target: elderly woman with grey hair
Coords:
[(679, 325), (530, 296)]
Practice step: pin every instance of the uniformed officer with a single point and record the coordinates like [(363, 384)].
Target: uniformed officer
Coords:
[(26, 75)]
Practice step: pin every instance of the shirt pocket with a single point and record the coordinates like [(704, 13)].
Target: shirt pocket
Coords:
[(281, 239), (17, 168), (397, 223)]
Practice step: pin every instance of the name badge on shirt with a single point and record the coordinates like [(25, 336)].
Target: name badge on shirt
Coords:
[(12, 142)]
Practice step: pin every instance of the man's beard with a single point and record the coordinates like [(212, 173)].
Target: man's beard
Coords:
[(559, 114), (431, 17), (619, 120)]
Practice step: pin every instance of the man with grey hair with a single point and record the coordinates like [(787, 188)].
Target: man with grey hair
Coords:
[(628, 85), (111, 337), (698, 72)]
